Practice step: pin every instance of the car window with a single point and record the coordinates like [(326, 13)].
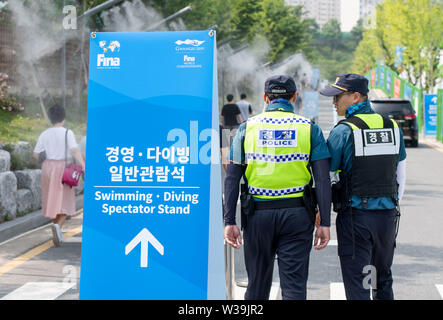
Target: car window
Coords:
[(386, 108)]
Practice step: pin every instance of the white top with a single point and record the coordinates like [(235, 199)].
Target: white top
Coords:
[(243, 105), (52, 141)]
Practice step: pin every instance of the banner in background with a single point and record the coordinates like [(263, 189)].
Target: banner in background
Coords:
[(415, 100), (310, 104), (397, 87), (315, 78), (407, 92), (388, 82), (430, 114), (440, 114), (152, 225), (377, 75), (382, 76)]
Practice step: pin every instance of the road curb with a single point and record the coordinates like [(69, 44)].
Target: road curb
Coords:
[(29, 222)]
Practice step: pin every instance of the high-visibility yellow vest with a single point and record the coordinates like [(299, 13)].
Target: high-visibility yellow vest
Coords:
[(277, 150)]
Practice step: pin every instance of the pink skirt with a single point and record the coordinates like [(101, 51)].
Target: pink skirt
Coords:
[(56, 197)]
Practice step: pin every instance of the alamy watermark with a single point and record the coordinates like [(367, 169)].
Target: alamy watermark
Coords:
[(370, 280), (70, 17)]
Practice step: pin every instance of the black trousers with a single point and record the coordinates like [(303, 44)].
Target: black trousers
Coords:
[(367, 263), (288, 233)]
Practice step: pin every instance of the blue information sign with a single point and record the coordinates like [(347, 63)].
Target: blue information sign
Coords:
[(430, 114), (152, 225)]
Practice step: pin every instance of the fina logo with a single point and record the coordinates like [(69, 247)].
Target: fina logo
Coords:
[(108, 62)]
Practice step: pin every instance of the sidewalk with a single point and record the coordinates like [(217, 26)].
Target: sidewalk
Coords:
[(29, 222), (430, 141)]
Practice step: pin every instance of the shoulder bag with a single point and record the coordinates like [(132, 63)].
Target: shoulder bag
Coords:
[(72, 172)]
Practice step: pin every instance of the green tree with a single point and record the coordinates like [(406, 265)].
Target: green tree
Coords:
[(283, 27), (357, 32), (366, 53), (416, 25), (332, 34), (244, 19)]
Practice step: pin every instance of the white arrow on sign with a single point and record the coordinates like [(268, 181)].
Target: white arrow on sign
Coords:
[(144, 237)]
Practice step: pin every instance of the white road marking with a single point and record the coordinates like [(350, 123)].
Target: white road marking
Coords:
[(239, 292), (39, 291), (337, 291), (440, 289)]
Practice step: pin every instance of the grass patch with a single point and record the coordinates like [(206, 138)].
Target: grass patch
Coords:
[(14, 127), (28, 125)]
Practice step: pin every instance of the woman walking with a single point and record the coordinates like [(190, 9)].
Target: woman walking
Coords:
[(58, 199)]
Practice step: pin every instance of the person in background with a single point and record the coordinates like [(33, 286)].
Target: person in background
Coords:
[(58, 200), (231, 115), (245, 107)]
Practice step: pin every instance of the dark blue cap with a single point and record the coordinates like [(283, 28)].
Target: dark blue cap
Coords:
[(280, 85), (347, 82)]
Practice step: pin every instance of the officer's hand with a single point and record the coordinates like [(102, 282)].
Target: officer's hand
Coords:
[(322, 234), (317, 219), (233, 236)]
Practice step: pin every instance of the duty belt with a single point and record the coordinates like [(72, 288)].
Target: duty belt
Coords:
[(279, 204)]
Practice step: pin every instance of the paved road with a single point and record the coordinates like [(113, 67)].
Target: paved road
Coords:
[(31, 267)]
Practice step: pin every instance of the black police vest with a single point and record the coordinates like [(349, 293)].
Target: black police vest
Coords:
[(374, 165)]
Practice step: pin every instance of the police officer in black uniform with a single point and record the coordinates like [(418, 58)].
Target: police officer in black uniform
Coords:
[(368, 168)]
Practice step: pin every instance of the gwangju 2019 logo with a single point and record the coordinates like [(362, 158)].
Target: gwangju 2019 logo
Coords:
[(189, 45), (107, 59), (195, 43)]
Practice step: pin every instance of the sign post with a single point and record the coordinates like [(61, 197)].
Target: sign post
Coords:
[(152, 225)]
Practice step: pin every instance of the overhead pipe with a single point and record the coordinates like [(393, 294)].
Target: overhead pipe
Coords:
[(173, 16)]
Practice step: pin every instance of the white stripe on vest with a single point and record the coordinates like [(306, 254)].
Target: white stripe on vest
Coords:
[(274, 192), (278, 121), (255, 156)]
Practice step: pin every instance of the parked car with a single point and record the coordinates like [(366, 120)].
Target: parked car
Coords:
[(402, 112)]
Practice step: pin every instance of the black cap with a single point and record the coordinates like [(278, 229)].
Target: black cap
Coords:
[(347, 82), (280, 84)]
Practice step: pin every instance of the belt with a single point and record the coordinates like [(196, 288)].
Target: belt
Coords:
[(279, 204)]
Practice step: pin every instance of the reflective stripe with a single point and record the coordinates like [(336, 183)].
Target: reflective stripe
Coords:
[(358, 142), (274, 192), (255, 156), (277, 120), (380, 150), (397, 139)]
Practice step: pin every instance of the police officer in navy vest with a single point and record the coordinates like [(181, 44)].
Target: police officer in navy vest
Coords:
[(368, 174), (273, 151)]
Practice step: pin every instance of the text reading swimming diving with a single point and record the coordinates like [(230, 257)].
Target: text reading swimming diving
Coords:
[(146, 197)]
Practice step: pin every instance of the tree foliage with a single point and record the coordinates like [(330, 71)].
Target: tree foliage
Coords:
[(416, 25), (332, 50)]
